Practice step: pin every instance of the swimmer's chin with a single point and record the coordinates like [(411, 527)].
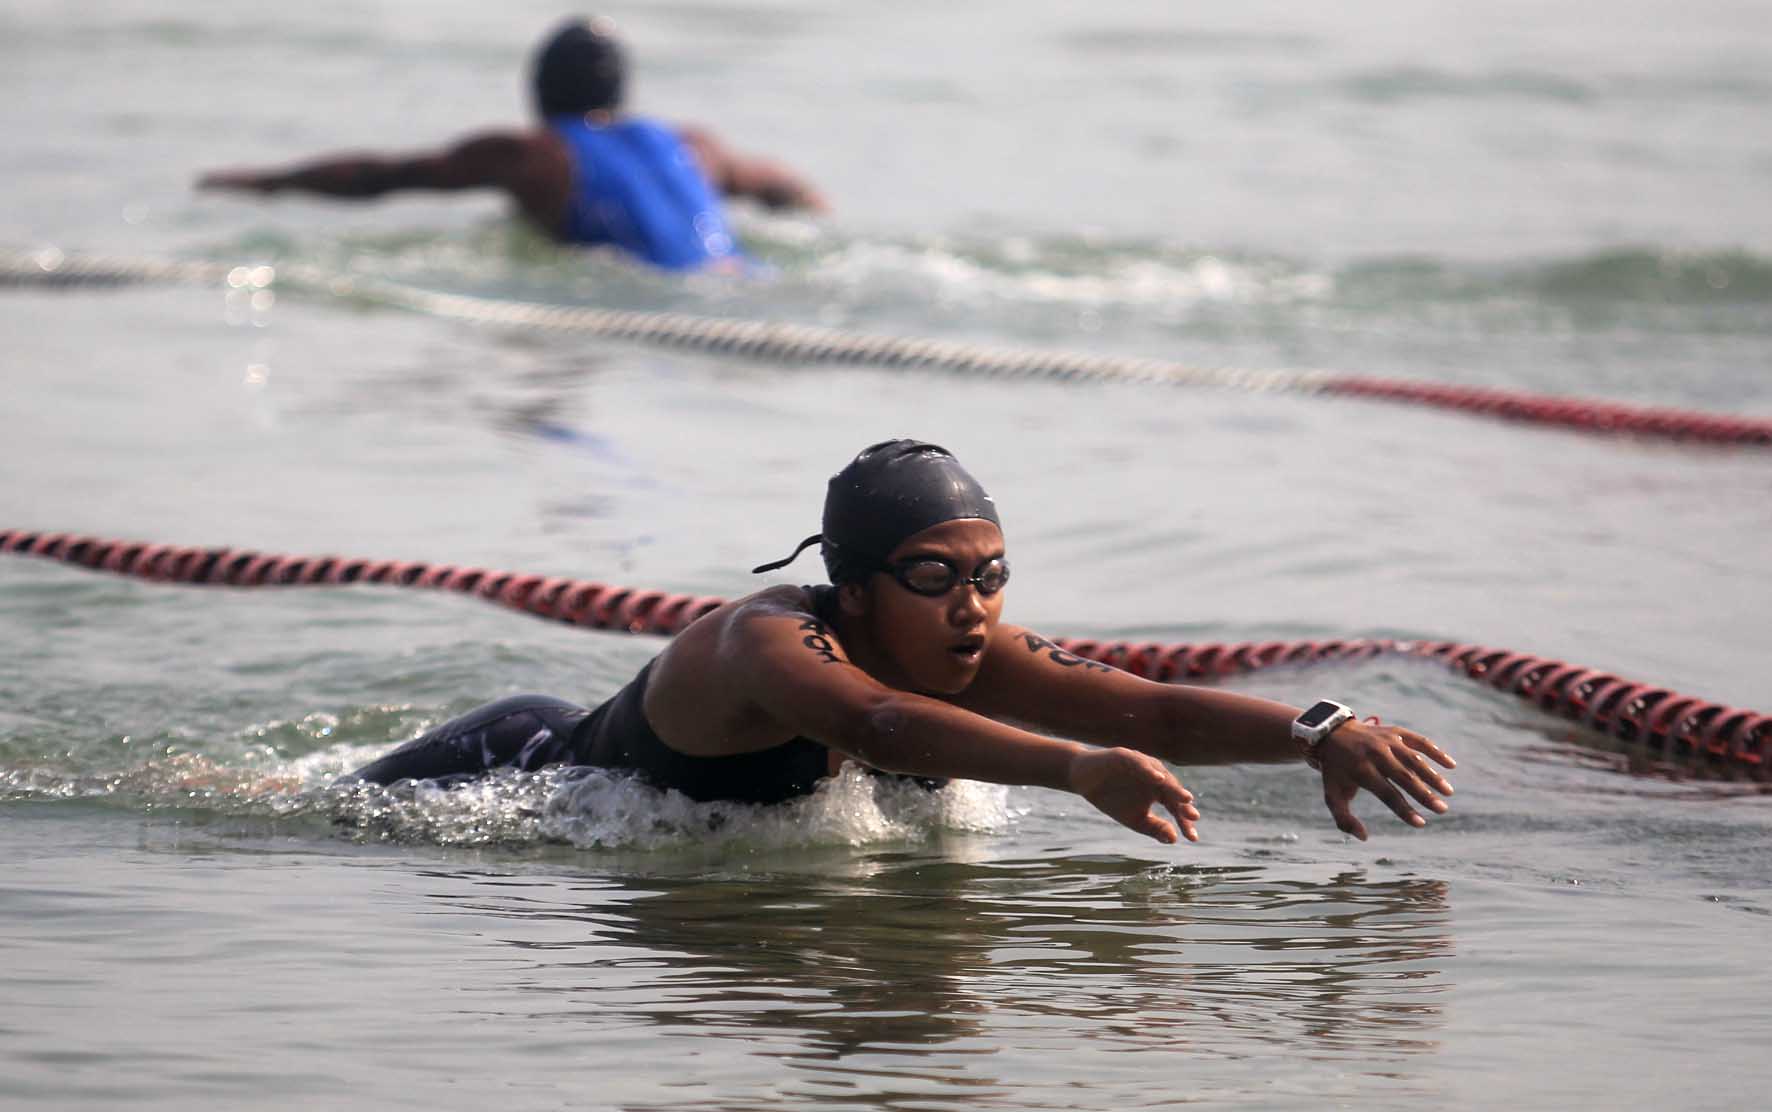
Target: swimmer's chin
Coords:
[(954, 686)]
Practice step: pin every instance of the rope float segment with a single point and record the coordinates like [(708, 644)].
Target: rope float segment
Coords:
[(777, 342), (1655, 718), (578, 602), (1645, 715), (1574, 413)]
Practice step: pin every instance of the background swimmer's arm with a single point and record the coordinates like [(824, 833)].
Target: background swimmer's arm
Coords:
[(793, 667), (495, 160), (760, 179), (1026, 678)]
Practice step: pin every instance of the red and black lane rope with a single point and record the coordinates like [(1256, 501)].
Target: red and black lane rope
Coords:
[(1655, 718), (576, 601), (1649, 716), (1571, 413)]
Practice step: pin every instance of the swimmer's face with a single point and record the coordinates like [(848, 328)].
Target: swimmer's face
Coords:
[(938, 643)]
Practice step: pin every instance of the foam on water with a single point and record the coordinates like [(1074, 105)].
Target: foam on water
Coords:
[(581, 807), (833, 278), (594, 809)]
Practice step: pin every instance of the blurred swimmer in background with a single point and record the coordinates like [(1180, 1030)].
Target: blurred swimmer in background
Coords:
[(589, 173)]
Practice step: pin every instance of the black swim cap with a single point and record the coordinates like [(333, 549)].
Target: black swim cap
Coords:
[(581, 68), (892, 490)]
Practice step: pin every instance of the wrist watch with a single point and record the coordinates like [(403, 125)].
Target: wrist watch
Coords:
[(1310, 728)]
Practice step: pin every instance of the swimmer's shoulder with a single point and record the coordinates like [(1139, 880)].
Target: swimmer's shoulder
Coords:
[(531, 164), (784, 601), (506, 147), (742, 616), (731, 632), (732, 627)]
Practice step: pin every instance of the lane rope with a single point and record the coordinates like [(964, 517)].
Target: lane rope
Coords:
[(799, 343), (1654, 718)]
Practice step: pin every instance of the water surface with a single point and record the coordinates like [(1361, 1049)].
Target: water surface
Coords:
[(1564, 197)]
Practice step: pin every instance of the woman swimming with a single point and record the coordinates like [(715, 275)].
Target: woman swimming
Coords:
[(903, 664)]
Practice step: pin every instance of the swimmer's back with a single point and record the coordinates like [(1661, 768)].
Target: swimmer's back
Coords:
[(637, 185)]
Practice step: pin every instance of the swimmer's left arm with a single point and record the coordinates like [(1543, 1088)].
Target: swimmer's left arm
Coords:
[(763, 180), (1027, 678)]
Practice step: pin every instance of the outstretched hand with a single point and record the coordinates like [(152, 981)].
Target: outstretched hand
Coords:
[(248, 181), (1390, 762), (1127, 786)]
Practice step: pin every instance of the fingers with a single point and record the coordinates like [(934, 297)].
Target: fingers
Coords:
[(1170, 791), (1341, 807), (1391, 796), (1400, 761), (1155, 826), (1180, 802), (1186, 819), (1410, 769), (1133, 788), (1422, 745), (1404, 775), (1395, 764), (1417, 764), (1170, 794)]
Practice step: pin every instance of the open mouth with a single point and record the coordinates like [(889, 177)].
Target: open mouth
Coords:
[(968, 649)]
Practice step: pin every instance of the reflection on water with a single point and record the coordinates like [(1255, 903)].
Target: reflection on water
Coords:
[(1542, 748), (1012, 973)]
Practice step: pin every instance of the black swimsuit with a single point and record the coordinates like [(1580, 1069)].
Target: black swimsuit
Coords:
[(531, 731)]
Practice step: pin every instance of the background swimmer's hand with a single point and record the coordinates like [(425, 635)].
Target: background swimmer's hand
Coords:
[(811, 200), (1126, 786), (246, 181), (1390, 762)]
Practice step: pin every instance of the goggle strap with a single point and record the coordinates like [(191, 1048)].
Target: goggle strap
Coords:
[(791, 557)]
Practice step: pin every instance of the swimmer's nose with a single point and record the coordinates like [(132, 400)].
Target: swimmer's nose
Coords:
[(968, 608)]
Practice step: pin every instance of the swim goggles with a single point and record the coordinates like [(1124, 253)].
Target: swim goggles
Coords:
[(932, 577)]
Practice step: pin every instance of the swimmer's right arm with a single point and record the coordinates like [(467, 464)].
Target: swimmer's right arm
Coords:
[(794, 668), (491, 160)]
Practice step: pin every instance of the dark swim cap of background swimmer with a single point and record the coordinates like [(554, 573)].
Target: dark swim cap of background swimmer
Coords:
[(579, 69), (892, 490)]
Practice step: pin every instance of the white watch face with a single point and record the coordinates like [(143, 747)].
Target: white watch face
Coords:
[(1318, 715)]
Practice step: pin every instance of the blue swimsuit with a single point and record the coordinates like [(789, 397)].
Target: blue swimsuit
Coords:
[(635, 184)]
